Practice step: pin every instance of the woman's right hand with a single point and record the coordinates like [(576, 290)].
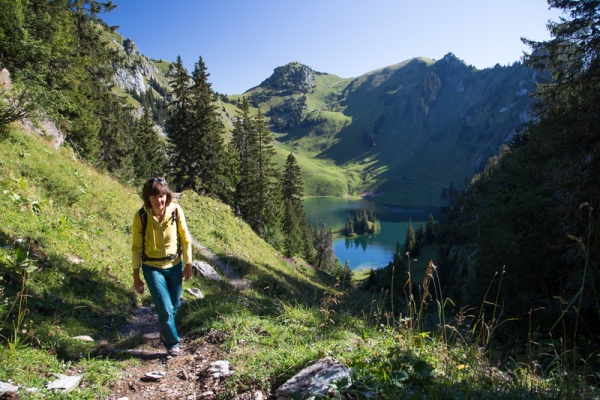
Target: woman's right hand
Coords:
[(138, 284)]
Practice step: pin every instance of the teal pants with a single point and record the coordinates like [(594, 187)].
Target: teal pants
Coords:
[(165, 289)]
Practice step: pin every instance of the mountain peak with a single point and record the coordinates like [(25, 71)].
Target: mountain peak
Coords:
[(293, 77)]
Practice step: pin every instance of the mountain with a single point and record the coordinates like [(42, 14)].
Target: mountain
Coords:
[(403, 132), (144, 81)]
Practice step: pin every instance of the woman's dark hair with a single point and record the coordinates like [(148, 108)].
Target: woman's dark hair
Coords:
[(156, 187)]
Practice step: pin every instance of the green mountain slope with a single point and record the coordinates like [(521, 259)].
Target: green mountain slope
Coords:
[(404, 131)]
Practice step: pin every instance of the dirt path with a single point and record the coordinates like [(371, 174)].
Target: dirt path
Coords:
[(187, 376)]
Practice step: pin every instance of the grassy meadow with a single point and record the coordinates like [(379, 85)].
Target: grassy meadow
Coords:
[(65, 269)]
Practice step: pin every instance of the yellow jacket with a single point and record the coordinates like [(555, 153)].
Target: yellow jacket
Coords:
[(161, 238)]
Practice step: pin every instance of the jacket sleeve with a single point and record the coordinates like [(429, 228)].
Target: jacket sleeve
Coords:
[(136, 240), (185, 238)]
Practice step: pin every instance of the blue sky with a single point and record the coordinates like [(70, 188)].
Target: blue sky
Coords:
[(242, 41)]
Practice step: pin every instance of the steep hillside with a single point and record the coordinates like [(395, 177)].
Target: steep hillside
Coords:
[(407, 130)]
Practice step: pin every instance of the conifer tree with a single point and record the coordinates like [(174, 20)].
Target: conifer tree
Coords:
[(205, 132), (409, 243), (349, 227), (268, 193), (243, 140), (149, 156), (420, 234), (430, 230), (294, 216), (324, 247), (177, 129)]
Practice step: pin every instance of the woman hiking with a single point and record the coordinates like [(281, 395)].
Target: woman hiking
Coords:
[(161, 247)]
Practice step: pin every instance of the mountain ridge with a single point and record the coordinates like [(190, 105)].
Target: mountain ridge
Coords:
[(375, 130)]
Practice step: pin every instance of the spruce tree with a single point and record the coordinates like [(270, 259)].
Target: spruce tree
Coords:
[(430, 230), (244, 140), (420, 234), (176, 127), (409, 243), (324, 247), (205, 132), (149, 156), (294, 216)]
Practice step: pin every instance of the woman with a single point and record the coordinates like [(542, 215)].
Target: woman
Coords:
[(157, 228)]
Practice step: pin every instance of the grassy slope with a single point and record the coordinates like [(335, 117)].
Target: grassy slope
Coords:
[(75, 223), (62, 210)]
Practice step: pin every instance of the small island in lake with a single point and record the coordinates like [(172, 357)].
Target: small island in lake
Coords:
[(363, 223)]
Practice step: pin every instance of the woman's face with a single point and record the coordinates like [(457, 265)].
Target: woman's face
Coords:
[(158, 203)]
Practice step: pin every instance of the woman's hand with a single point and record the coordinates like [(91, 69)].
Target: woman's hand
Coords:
[(187, 271), (138, 284)]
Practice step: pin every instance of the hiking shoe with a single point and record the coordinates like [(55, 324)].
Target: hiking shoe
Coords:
[(173, 351)]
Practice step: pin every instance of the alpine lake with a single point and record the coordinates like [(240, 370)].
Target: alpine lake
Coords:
[(372, 251)]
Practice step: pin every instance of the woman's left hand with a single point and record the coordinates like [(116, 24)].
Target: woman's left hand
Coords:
[(187, 271)]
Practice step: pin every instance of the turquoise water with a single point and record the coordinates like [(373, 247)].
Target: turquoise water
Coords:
[(367, 251)]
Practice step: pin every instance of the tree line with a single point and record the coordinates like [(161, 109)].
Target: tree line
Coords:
[(526, 227)]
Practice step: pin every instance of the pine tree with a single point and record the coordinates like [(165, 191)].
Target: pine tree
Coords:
[(205, 132), (268, 193), (420, 234), (430, 230), (243, 140), (177, 127), (324, 247), (349, 229), (149, 157), (410, 241), (294, 216)]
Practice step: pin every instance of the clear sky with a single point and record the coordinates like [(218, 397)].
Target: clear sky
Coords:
[(243, 41)]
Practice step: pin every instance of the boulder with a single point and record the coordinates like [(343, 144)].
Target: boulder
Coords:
[(206, 270), (312, 380)]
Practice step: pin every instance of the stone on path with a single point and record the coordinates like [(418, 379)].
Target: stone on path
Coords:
[(206, 270), (312, 380), (65, 382), (220, 369), (7, 387)]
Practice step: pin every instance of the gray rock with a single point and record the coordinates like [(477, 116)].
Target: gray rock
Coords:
[(84, 338), (197, 293), (312, 380), (220, 369), (7, 387), (206, 270), (65, 382)]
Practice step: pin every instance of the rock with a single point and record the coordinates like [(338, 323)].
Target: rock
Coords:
[(205, 394), (220, 369), (313, 379), (258, 396), (206, 270), (44, 128), (197, 293), (7, 387), (65, 382), (84, 338)]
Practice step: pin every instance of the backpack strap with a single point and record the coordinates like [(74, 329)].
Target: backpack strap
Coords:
[(144, 221), (175, 216)]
